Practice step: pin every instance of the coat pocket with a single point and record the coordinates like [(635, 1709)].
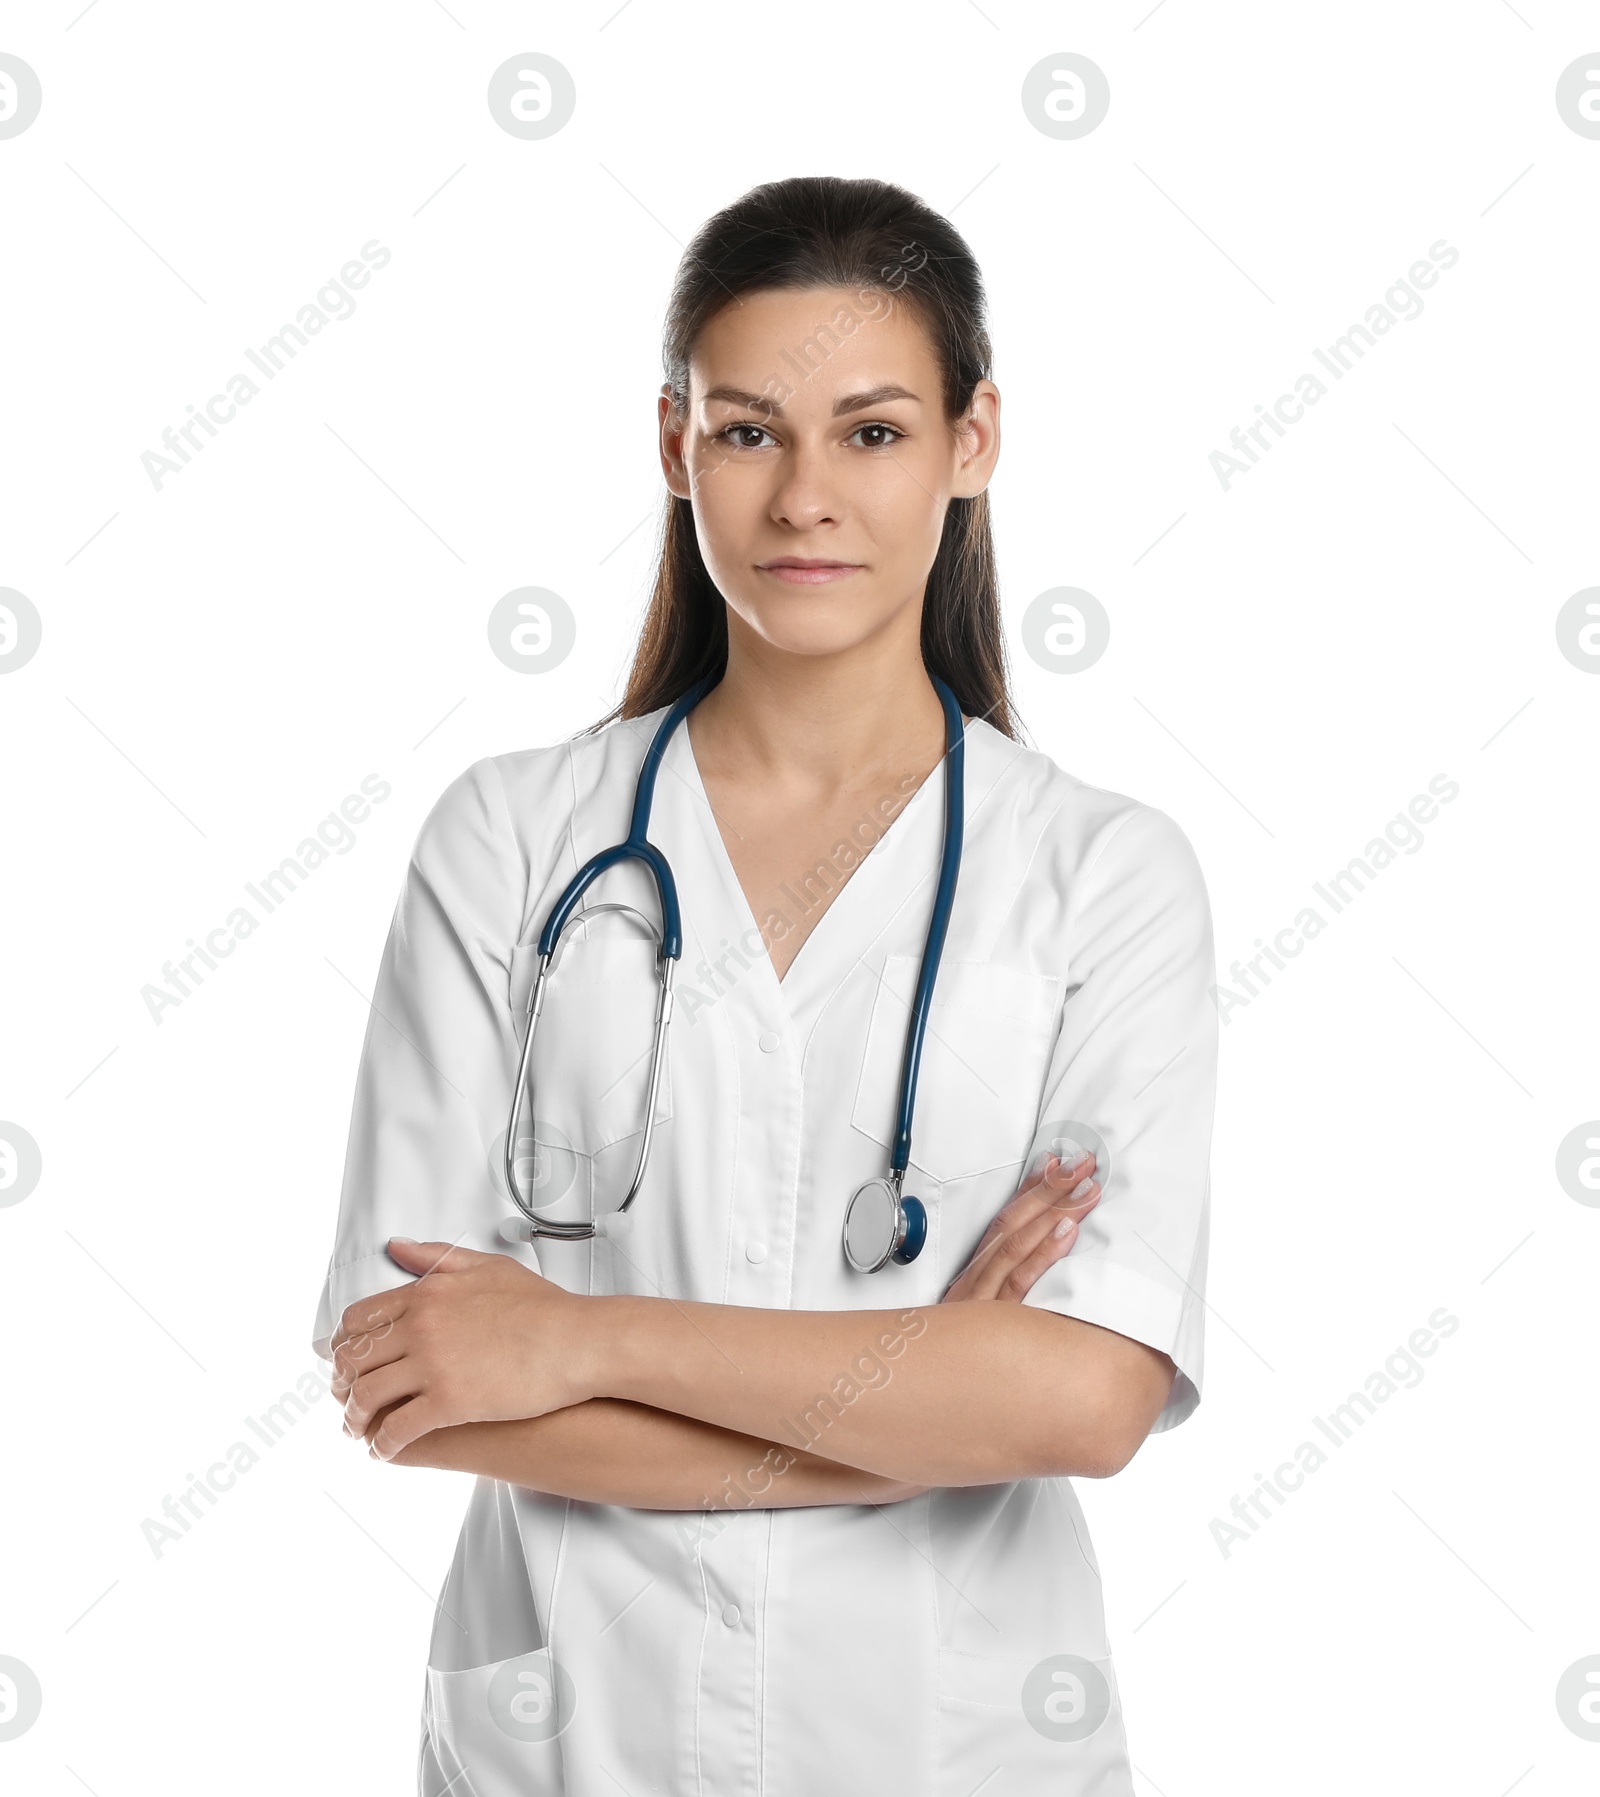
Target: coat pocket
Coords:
[(497, 1703), (497, 1727), (1055, 1723), (984, 1060)]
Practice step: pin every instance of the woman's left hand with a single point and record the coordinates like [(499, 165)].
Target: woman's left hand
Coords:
[(1033, 1230), (478, 1338)]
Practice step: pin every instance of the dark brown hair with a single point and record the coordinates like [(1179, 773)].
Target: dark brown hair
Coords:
[(824, 231)]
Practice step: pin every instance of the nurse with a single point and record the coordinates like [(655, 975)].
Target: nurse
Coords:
[(747, 1520)]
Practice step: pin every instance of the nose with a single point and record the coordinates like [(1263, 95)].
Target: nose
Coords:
[(806, 493)]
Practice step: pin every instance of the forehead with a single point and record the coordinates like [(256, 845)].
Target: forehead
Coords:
[(803, 346)]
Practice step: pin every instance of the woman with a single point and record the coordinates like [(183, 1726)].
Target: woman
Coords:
[(750, 1520)]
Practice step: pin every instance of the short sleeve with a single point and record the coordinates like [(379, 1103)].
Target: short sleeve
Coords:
[(1134, 1072), (434, 1082)]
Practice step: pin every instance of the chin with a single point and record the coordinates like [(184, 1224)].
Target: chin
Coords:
[(812, 623), (811, 636)]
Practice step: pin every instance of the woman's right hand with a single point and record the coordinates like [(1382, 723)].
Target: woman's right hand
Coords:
[(1031, 1232)]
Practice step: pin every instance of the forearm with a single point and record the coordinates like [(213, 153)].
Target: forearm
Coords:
[(610, 1451), (954, 1394)]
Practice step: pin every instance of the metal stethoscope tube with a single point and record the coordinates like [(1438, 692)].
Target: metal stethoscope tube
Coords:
[(531, 1224)]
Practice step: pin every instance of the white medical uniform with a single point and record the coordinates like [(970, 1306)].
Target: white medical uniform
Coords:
[(785, 1652)]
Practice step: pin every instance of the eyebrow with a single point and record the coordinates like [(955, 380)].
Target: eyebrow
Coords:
[(846, 402)]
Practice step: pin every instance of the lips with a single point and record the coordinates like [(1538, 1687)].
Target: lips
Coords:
[(805, 571)]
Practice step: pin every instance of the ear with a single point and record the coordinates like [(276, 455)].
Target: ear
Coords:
[(978, 442), (672, 428)]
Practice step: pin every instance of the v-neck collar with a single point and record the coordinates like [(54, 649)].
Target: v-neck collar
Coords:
[(868, 874), (685, 828)]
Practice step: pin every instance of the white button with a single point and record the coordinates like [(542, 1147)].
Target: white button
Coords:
[(768, 1042), (755, 1251), (730, 1614)]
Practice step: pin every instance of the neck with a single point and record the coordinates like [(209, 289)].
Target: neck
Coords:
[(832, 721)]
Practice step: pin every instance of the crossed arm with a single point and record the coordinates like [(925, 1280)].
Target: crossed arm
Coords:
[(484, 1367)]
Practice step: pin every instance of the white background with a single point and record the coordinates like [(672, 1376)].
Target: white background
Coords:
[(1291, 661)]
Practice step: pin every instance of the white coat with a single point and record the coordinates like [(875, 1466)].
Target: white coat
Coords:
[(910, 1649)]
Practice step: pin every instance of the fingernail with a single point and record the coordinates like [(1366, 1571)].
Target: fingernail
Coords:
[(404, 1238), (1081, 1190), (1065, 1227)]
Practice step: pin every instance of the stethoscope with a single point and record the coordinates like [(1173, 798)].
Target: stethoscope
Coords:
[(881, 1223)]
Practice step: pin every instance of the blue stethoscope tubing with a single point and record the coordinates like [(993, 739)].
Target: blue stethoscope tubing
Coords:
[(881, 1224)]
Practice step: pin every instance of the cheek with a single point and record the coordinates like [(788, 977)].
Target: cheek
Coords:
[(731, 509), (898, 496), (900, 518), (726, 509)]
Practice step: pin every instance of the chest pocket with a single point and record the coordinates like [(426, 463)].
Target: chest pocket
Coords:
[(984, 1060), (590, 1072)]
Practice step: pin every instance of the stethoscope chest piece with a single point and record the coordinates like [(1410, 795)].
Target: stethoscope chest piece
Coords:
[(880, 1226)]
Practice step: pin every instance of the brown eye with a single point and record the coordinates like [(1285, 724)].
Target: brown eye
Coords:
[(727, 434), (893, 437)]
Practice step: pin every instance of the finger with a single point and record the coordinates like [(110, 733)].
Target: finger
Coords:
[(1024, 1201), (378, 1417), (1058, 1241), (368, 1315), (433, 1257), (1052, 1182), (406, 1456), (409, 1423), (992, 1271), (364, 1354), (373, 1391), (1036, 1198), (988, 1272), (1059, 1186), (1050, 1161), (1065, 1178)]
